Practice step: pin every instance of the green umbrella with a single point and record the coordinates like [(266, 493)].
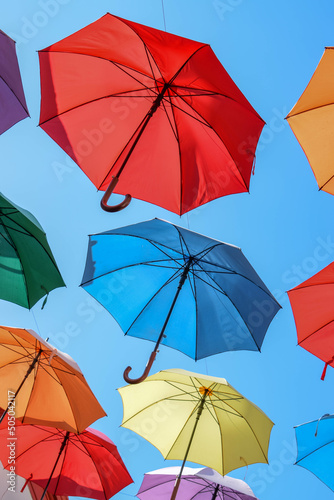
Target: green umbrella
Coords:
[(28, 270)]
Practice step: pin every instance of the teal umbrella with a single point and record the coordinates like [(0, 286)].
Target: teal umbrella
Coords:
[(28, 270)]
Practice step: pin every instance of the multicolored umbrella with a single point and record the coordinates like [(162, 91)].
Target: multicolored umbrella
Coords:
[(207, 420), (13, 105), (64, 463), (312, 121), (44, 385), (28, 270), (312, 307), (196, 484), (178, 288), (145, 112), (315, 443)]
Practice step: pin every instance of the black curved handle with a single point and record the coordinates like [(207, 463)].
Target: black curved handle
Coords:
[(107, 194), (144, 375)]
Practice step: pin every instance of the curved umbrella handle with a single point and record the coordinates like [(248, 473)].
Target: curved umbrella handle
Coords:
[(107, 194), (144, 375)]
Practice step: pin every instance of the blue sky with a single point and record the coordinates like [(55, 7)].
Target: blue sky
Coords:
[(284, 226)]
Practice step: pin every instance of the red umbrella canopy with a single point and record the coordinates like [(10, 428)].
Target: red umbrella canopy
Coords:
[(86, 464), (312, 306), (154, 111)]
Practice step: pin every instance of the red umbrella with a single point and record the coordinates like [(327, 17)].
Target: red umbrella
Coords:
[(312, 306), (64, 463), (147, 112)]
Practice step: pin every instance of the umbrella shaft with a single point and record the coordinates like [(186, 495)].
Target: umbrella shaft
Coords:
[(55, 465), (215, 493), (31, 367), (178, 479), (181, 282), (143, 125)]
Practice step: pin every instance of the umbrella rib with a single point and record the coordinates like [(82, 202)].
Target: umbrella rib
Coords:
[(158, 247), (182, 240), (19, 344), (232, 302), (97, 99), (310, 109), (303, 285), (27, 233), (12, 91), (313, 451), (170, 279), (146, 263), (115, 63), (150, 63), (98, 472), (54, 435), (221, 438), (16, 339), (216, 133), (330, 179), (54, 375), (315, 331), (150, 240), (163, 104), (187, 60), (180, 158), (248, 424), (217, 288), (173, 105), (23, 273), (71, 407), (163, 398), (234, 305)]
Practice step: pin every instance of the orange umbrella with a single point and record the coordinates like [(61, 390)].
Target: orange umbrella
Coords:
[(312, 121), (42, 385)]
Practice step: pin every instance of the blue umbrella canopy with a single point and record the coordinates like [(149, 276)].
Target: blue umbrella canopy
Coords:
[(315, 445), (168, 284)]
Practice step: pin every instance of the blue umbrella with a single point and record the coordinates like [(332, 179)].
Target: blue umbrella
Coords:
[(167, 284), (315, 444)]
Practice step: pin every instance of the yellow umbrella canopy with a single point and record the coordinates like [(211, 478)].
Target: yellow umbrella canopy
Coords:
[(42, 385), (203, 419), (312, 121)]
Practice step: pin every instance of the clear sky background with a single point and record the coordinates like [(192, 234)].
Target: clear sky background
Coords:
[(284, 226)]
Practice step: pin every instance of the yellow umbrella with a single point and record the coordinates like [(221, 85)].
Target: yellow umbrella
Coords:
[(41, 385), (312, 121), (189, 416)]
